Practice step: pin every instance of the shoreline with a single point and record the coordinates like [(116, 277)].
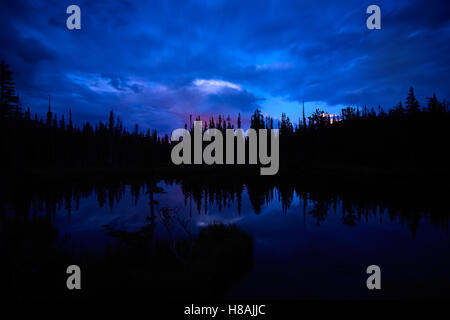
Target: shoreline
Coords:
[(336, 176)]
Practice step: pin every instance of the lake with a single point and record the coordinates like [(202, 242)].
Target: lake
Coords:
[(306, 245)]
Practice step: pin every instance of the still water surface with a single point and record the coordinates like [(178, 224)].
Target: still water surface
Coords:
[(306, 245)]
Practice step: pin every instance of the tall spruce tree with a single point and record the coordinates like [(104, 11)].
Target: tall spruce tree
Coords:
[(8, 97)]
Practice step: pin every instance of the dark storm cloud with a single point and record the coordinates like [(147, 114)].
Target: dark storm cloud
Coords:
[(32, 51), (155, 62)]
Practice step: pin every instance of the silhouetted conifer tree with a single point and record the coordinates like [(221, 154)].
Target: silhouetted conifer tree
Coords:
[(49, 114), (434, 105), (412, 105), (8, 97), (111, 121)]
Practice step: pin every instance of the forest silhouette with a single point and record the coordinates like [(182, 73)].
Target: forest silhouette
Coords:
[(407, 137)]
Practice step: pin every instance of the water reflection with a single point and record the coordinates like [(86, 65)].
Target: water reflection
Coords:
[(307, 244), (220, 199)]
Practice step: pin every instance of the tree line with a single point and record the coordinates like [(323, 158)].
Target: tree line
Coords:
[(407, 136), (32, 142)]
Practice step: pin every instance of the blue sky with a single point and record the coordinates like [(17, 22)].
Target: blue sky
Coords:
[(155, 62)]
